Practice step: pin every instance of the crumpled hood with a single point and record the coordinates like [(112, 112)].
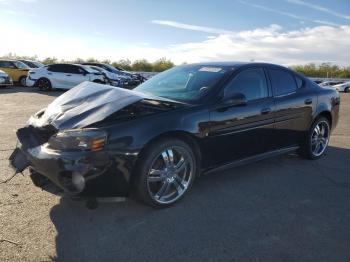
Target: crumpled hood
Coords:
[(86, 104)]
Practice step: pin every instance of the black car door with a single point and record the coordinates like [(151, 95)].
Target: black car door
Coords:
[(294, 105), (244, 130)]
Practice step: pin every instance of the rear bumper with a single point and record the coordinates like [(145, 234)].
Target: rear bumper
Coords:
[(91, 174)]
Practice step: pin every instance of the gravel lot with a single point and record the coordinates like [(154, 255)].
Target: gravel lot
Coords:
[(281, 209)]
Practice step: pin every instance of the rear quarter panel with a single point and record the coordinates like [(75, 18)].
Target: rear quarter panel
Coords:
[(328, 101)]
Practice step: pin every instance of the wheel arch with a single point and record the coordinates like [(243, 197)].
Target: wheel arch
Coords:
[(184, 136), (327, 115), (323, 109)]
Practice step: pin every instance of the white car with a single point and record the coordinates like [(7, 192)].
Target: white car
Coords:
[(345, 87), (62, 76), (113, 79), (5, 80), (329, 83)]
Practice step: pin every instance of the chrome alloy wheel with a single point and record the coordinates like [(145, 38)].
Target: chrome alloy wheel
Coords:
[(170, 175), (320, 138)]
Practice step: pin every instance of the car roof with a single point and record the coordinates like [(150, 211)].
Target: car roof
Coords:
[(237, 64)]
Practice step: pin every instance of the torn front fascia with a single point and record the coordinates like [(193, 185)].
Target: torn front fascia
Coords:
[(30, 136)]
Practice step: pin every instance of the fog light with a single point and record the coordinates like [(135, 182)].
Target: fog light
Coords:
[(78, 181)]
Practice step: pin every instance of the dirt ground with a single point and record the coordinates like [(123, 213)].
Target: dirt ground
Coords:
[(281, 209)]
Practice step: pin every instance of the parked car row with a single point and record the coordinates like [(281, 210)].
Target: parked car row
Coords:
[(65, 76), (5, 80), (16, 70), (340, 86)]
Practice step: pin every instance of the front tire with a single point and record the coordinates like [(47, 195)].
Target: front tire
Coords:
[(44, 84), (347, 90), (165, 172), (317, 139)]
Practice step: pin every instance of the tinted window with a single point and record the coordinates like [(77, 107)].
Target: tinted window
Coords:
[(7, 64), (56, 68), (73, 69), (251, 83), (282, 82)]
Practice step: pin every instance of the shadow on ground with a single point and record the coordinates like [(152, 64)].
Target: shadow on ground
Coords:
[(282, 209)]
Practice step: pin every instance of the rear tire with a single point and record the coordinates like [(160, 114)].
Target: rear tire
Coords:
[(44, 84), (347, 90), (317, 139), (164, 173)]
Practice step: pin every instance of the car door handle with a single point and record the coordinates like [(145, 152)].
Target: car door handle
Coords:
[(49, 73), (308, 101), (265, 111), (68, 75)]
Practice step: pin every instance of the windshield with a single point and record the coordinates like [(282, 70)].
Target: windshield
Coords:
[(186, 83), (38, 64), (20, 65), (89, 69), (99, 69), (110, 68)]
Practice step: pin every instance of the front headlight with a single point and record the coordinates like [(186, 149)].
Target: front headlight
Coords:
[(89, 139)]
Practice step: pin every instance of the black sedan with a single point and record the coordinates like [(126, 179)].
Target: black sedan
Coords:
[(153, 141)]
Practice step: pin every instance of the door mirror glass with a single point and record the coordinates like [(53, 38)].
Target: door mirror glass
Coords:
[(237, 99)]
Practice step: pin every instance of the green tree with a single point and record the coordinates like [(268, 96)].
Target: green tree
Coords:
[(323, 70), (124, 64), (106, 61), (162, 64), (142, 65), (92, 60), (49, 60)]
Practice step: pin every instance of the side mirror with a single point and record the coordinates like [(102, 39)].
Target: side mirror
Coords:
[(237, 99)]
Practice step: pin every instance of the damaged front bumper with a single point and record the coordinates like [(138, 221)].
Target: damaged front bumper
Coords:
[(78, 173)]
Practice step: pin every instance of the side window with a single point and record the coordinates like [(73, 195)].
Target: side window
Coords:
[(67, 69), (56, 68), (80, 70), (251, 83), (7, 64), (282, 82), (12, 65)]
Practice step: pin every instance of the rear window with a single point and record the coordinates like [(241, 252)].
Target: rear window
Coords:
[(282, 82)]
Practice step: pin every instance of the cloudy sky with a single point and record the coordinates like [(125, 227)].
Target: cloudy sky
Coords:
[(279, 31)]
